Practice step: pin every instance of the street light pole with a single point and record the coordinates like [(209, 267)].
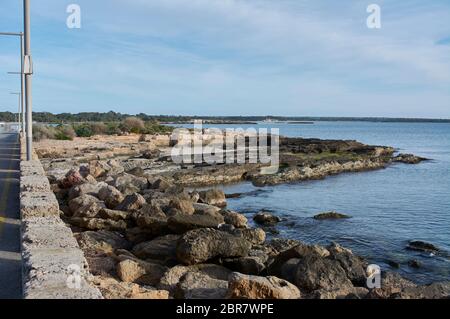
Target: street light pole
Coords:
[(19, 119), (28, 71), (22, 84), (22, 99)]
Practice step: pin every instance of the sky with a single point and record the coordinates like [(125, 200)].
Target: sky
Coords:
[(234, 57)]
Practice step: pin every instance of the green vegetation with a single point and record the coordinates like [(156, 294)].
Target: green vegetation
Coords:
[(114, 117), (69, 131)]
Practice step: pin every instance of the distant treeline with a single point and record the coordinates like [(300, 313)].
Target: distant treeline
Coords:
[(63, 118)]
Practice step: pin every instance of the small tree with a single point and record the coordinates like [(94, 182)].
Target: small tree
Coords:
[(133, 125)]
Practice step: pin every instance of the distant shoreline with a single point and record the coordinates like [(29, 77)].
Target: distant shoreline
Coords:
[(46, 117)]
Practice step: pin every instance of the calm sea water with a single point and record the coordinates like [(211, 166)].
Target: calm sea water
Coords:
[(389, 207)]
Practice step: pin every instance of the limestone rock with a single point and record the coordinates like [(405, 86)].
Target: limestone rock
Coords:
[(111, 196), (235, 219), (180, 224), (213, 197), (132, 202), (253, 287), (330, 215), (266, 219), (161, 248), (200, 245), (195, 285)]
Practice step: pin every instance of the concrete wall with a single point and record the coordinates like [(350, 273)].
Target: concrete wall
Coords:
[(54, 266)]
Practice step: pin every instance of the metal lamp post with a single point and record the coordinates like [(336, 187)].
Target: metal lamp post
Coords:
[(19, 117), (27, 70), (26, 73), (22, 76), (22, 99)]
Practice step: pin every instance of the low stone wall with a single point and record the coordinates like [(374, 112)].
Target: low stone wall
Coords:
[(54, 266)]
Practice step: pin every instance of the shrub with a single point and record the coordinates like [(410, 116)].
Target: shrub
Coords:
[(113, 128), (153, 127), (133, 125), (65, 132), (42, 132), (98, 128), (83, 130)]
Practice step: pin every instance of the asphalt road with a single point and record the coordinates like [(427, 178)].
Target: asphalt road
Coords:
[(10, 259)]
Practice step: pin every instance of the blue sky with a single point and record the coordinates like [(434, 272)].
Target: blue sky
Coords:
[(235, 57)]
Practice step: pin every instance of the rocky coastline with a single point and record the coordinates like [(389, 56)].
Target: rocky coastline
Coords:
[(145, 235)]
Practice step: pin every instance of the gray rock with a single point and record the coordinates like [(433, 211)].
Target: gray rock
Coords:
[(245, 265), (113, 214), (111, 196), (181, 223), (102, 242), (132, 202), (161, 248), (195, 285), (172, 277), (200, 245), (318, 273), (253, 287), (266, 219), (215, 197), (330, 215), (422, 246), (235, 219)]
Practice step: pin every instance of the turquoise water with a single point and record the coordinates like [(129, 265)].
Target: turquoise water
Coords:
[(389, 207)]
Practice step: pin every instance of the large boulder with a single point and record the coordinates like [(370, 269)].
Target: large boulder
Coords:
[(85, 188), (392, 284), (102, 242), (215, 197), (200, 245), (195, 285), (113, 214), (330, 215), (251, 265), (152, 210), (72, 178), (180, 224), (255, 236), (98, 168), (90, 210), (182, 206), (161, 248), (76, 203), (317, 273), (266, 219), (422, 246), (235, 219), (126, 182), (242, 286), (354, 266), (132, 202), (171, 278), (437, 290), (161, 184), (205, 209), (111, 196), (98, 223), (139, 271), (155, 226), (112, 288), (300, 251), (278, 245)]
